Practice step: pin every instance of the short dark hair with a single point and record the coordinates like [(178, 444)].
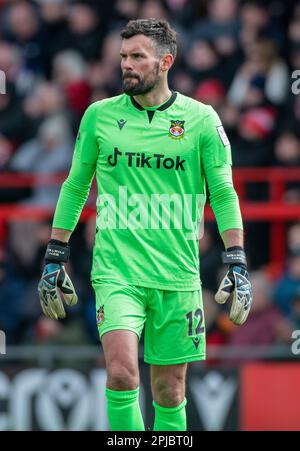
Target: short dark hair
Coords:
[(158, 30)]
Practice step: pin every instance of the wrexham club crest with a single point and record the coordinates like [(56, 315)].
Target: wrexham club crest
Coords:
[(176, 130), (100, 315)]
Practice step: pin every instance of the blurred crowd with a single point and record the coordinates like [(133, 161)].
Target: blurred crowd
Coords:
[(58, 56)]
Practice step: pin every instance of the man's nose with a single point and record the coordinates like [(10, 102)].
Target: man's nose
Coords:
[(127, 64)]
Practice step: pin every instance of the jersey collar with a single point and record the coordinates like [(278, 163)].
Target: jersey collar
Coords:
[(162, 107)]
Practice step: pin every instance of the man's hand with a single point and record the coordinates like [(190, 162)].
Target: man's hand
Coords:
[(236, 283), (55, 284)]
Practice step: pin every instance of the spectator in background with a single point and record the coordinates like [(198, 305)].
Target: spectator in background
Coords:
[(103, 76), (256, 21), (27, 248), (86, 29), (45, 106), (293, 236), (153, 8), (124, 10), (21, 26), (288, 284), (12, 64), (159, 9), (24, 244), (15, 128), (202, 61), (287, 154), (47, 100), (14, 123), (6, 152), (262, 60), (295, 311), (50, 152), (294, 27), (11, 287), (222, 20), (291, 111), (69, 72), (254, 97), (287, 148), (186, 12), (210, 92), (53, 14), (265, 324), (253, 144), (220, 29), (110, 56)]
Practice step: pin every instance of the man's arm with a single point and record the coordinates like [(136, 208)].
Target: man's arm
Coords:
[(233, 237), (72, 198), (75, 189), (61, 235), (216, 162)]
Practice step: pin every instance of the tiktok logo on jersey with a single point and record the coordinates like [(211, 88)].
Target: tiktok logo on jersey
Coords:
[(139, 160)]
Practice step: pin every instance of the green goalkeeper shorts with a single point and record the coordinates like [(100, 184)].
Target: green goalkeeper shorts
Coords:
[(173, 320)]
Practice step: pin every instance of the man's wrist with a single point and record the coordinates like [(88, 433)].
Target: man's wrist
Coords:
[(234, 255), (235, 248), (57, 252)]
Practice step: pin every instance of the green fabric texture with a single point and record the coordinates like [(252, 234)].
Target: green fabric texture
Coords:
[(151, 176), (174, 321), (123, 410), (170, 418)]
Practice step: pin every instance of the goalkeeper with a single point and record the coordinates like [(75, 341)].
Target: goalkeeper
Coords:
[(146, 144)]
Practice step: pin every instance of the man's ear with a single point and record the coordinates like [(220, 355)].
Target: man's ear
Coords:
[(166, 62)]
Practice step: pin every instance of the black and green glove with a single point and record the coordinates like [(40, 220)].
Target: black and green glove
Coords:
[(236, 283), (55, 284)]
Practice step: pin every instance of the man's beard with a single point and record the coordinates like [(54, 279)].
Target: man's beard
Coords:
[(142, 86)]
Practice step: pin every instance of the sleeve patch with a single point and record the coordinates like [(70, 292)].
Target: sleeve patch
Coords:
[(223, 135)]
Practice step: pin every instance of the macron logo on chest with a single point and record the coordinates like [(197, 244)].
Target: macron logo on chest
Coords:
[(140, 160), (121, 123)]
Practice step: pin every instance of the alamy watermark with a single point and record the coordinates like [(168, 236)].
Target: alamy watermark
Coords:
[(296, 344), (296, 83), (2, 82), (2, 342), (155, 211)]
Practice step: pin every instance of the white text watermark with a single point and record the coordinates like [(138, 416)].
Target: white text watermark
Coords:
[(156, 211), (296, 344), (2, 82), (2, 342), (296, 83)]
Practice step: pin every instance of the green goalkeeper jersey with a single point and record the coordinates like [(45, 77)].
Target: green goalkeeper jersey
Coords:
[(151, 165)]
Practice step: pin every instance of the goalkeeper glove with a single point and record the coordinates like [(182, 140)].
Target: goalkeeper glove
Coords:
[(55, 284), (236, 283)]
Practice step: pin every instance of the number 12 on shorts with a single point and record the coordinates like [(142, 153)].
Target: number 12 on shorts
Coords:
[(198, 314)]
